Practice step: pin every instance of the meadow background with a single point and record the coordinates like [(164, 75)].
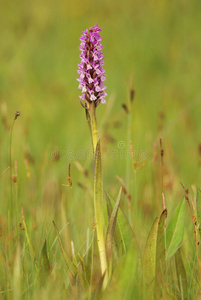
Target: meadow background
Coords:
[(155, 42)]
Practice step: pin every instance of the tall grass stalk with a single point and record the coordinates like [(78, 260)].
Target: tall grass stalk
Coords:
[(10, 211), (11, 203), (127, 160), (129, 125)]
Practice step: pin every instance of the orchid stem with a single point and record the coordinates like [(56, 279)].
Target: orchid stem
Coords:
[(98, 196), (94, 130)]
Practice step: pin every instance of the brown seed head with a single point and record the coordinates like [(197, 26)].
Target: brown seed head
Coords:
[(14, 178), (125, 107), (17, 114), (132, 95)]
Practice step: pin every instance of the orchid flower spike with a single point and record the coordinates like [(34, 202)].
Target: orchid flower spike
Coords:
[(92, 74)]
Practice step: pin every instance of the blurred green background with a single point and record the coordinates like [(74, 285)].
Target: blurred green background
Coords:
[(158, 42)]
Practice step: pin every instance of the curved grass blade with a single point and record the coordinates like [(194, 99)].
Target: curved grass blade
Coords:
[(111, 230), (160, 256), (154, 258), (28, 239), (69, 263), (123, 232), (149, 261), (175, 230), (109, 205), (45, 258), (181, 275), (82, 273)]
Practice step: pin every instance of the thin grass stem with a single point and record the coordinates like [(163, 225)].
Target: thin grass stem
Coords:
[(11, 185)]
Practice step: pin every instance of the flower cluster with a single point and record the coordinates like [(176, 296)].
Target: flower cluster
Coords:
[(92, 74)]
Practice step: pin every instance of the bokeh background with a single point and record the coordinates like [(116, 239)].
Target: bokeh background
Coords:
[(155, 42)]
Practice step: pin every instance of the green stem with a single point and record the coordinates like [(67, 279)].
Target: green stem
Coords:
[(94, 129), (128, 161), (98, 195), (11, 185), (98, 207)]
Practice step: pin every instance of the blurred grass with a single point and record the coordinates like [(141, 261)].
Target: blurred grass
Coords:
[(157, 41)]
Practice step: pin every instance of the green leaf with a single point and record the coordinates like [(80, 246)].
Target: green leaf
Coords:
[(99, 214), (69, 263), (124, 283), (109, 205), (175, 230), (17, 276), (198, 206), (84, 268), (181, 275), (154, 258), (160, 256), (98, 190), (45, 258), (149, 260), (111, 230), (123, 231), (82, 274)]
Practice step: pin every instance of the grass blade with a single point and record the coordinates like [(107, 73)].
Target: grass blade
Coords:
[(198, 206), (124, 283), (69, 263), (28, 239), (123, 231), (109, 205), (181, 274), (17, 275), (45, 258), (154, 257), (149, 260), (175, 230), (82, 278), (83, 274), (111, 230), (160, 256)]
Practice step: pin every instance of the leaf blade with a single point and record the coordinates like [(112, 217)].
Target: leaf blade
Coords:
[(45, 258), (198, 207), (69, 263), (123, 232), (160, 256), (149, 260), (175, 229), (111, 230), (125, 278), (181, 273), (154, 264)]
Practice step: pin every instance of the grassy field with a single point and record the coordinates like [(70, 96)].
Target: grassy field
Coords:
[(152, 47)]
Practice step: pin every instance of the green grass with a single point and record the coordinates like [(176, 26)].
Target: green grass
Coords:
[(159, 43)]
